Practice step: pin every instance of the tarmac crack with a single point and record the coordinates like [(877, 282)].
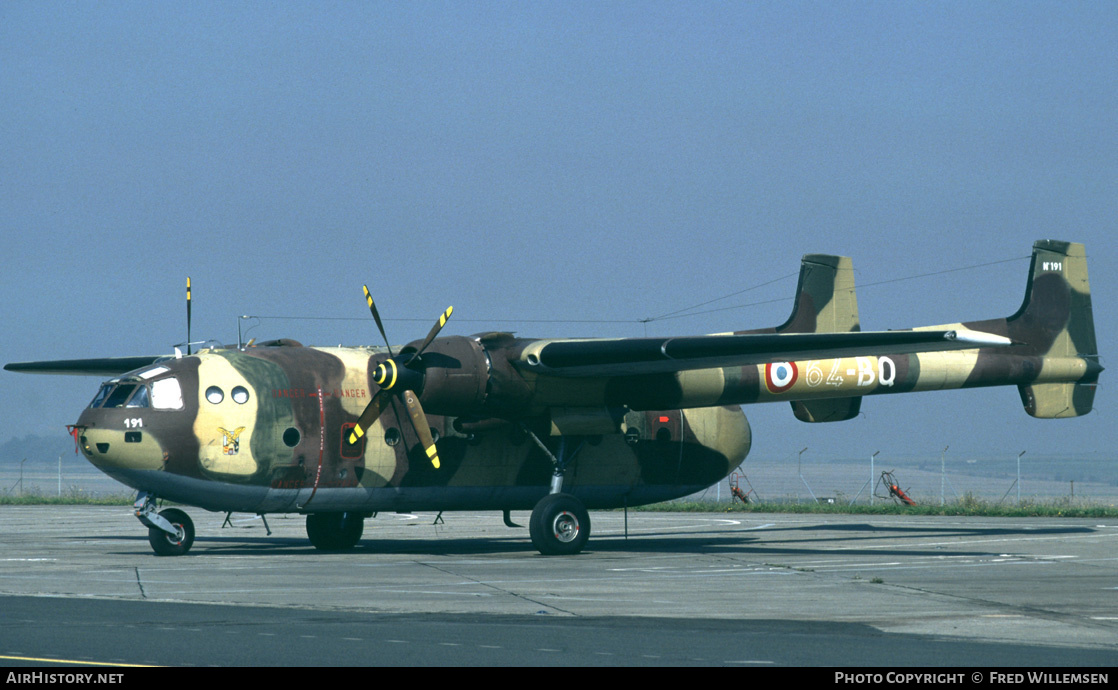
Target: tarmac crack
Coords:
[(1004, 608), (499, 589), (140, 584)]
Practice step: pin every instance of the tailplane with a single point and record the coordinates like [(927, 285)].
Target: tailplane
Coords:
[(1054, 361)]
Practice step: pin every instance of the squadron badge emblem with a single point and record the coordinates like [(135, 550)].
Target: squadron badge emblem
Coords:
[(230, 440)]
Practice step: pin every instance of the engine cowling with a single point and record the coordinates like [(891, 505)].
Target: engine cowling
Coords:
[(456, 376)]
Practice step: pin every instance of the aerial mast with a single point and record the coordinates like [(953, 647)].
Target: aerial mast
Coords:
[(188, 315)]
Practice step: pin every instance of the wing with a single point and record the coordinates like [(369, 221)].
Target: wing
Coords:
[(106, 366), (634, 356)]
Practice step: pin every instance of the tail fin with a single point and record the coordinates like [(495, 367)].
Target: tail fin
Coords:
[(825, 303), (825, 299), (1056, 323)]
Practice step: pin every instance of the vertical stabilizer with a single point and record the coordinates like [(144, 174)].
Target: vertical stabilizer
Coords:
[(825, 303), (1055, 322), (825, 297)]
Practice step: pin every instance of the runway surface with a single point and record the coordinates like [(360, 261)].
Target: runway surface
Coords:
[(81, 584)]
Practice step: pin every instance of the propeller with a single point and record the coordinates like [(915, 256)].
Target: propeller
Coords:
[(400, 378)]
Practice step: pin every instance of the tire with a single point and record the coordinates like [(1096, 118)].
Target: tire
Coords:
[(165, 544), (560, 525), (335, 531)]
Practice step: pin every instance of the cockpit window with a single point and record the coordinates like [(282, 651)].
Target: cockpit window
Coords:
[(101, 395), (120, 395), (166, 394), (141, 399), (152, 373)]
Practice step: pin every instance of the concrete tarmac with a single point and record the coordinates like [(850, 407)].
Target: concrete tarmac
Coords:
[(896, 590)]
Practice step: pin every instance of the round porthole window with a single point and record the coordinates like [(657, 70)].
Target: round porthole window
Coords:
[(214, 395), (291, 437), (240, 395), (391, 436)]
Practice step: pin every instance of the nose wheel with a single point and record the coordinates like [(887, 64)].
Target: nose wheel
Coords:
[(170, 532), (167, 544)]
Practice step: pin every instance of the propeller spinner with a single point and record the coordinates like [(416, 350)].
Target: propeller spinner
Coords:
[(401, 377)]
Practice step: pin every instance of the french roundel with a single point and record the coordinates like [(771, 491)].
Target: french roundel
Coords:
[(779, 376)]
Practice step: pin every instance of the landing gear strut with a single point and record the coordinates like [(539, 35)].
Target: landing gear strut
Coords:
[(170, 532), (559, 525)]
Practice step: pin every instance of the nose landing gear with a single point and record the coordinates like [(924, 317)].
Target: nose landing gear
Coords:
[(170, 532)]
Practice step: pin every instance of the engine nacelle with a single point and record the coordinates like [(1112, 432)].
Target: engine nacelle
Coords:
[(456, 376)]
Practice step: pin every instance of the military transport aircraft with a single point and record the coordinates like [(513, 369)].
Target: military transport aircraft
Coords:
[(497, 422)]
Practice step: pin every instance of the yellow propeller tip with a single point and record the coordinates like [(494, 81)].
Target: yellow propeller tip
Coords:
[(435, 462)]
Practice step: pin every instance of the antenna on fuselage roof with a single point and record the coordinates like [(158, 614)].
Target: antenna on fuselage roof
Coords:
[(188, 315)]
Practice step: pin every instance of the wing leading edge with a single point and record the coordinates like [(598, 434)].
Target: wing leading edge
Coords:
[(635, 356), (105, 366)]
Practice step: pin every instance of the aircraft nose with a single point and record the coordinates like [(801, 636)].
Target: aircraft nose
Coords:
[(118, 448)]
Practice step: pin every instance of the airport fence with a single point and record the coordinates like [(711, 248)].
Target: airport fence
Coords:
[(929, 481)]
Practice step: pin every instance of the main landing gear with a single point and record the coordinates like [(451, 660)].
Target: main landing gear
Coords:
[(560, 525), (335, 531), (170, 532)]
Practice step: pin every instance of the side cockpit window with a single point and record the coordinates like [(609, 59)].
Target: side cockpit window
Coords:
[(166, 394), (106, 388)]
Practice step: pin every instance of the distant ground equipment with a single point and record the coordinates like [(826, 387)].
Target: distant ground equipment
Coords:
[(893, 490), (735, 489)]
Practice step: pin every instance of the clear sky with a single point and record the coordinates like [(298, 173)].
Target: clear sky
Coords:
[(555, 169)]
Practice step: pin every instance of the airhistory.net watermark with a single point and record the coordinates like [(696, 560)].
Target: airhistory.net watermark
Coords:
[(63, 678)]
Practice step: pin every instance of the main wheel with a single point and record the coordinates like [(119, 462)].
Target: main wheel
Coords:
[(560, 525), (176, 544), (335, 531)]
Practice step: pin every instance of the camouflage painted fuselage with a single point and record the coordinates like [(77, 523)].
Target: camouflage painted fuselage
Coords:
[(264, 430)]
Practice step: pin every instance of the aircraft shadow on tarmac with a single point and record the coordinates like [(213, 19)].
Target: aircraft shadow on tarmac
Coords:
[(698, 541)]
